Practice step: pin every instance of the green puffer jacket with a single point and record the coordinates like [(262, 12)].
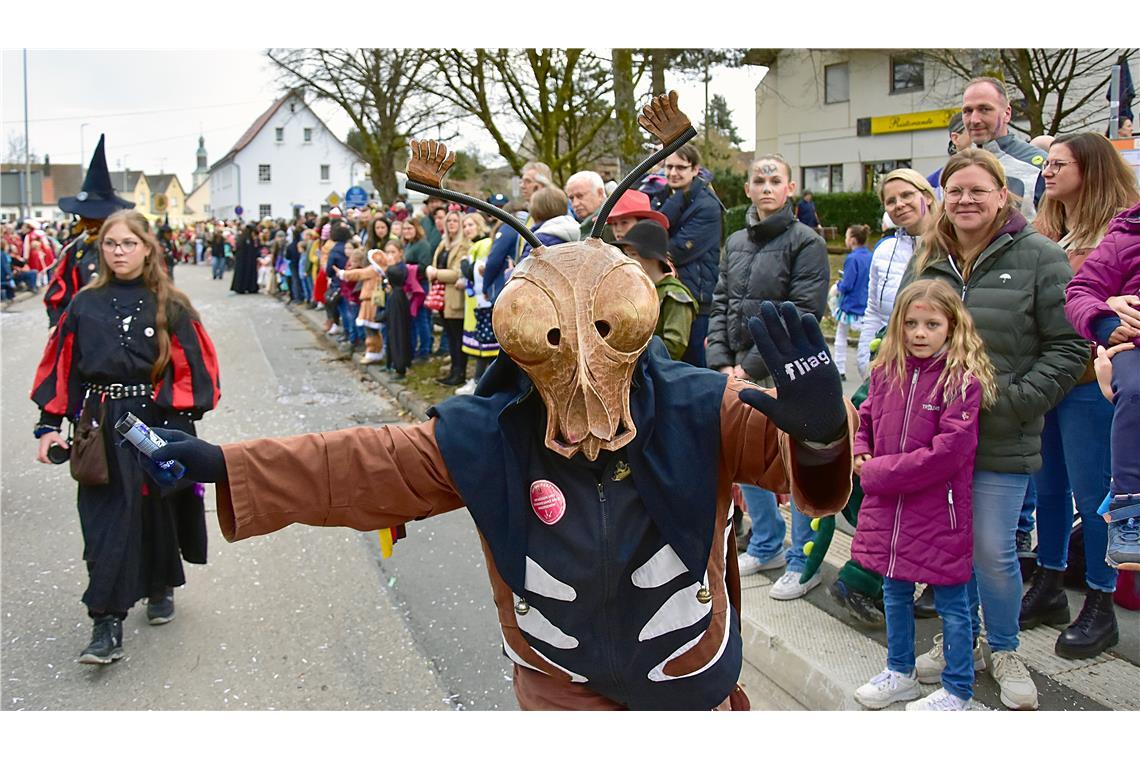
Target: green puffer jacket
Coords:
[(1016, 295)]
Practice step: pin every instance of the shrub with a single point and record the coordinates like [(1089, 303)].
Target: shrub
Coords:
[(840, 210)]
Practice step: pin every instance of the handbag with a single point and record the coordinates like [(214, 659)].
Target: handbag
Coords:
[(435, 296), (88, 449)]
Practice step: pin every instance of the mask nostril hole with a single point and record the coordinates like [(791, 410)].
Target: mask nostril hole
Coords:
[(554, 336), (603, 328)]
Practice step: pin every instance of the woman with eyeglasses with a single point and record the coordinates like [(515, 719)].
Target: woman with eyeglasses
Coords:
[(129, 342), (1012, 280), (909, 200), (1087, 183)]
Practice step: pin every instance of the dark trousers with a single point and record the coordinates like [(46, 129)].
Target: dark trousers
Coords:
[(453, 328), (695, 353)]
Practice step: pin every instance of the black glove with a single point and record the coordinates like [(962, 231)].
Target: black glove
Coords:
[(203, 461), (809, 401)]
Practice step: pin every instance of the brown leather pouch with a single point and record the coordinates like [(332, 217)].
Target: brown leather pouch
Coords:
[(88, 448)]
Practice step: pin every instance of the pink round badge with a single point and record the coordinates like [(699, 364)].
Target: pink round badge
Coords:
[(547, 501)]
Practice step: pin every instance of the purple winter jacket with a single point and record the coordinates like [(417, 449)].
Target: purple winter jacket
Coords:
[(1112, 269), (915, 523)]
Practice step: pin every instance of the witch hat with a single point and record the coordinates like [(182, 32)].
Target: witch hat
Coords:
[(97, 199)]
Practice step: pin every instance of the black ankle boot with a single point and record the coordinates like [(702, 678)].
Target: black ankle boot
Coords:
[(1045, 601), (106, 641), (1093, 631)]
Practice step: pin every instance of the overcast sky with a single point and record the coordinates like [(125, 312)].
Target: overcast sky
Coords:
[(153, 104)]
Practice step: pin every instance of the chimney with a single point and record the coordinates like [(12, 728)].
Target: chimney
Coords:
[(47, 165)]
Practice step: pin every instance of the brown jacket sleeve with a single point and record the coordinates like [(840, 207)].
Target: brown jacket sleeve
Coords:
[(360, 273), (754, 451), (362, 478)]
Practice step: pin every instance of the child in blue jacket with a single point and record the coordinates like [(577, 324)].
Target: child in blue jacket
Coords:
[(852, 287)]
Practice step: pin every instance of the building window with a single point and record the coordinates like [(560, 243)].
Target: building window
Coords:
[(835, 83), (873, 173), (280, 132), (907, 75), (308, 134), (264, 210), (324, 172), (822, 179), (263, 174)]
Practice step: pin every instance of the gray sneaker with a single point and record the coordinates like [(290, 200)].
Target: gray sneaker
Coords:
[(1018, 692), (929, 666)]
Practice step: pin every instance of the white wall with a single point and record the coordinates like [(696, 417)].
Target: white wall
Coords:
[(294, 168)]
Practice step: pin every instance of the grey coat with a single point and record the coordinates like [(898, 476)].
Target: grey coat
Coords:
[(778, 259)]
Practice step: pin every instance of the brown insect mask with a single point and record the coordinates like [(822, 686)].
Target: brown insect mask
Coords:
[(575, 316)]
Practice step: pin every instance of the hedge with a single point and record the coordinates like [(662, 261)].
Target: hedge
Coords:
[(837, 210)]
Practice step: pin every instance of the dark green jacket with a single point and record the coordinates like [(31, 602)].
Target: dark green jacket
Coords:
[(419, 253), (675, 320), (1016, 296)]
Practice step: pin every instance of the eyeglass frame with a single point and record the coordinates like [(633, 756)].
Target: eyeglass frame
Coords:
[(964, 193), (117, 244), (1054, 165), (677, 167)]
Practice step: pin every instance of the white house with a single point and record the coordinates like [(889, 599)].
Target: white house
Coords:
[(287, 159)]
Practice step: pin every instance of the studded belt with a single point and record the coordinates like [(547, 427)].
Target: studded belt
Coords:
[(118, 390)]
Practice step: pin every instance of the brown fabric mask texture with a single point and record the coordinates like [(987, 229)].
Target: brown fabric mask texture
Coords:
[(576, 317)]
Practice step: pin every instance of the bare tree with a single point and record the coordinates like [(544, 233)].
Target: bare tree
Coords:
[(1061, 89), (14, 153), (379, 89), (555, 102)]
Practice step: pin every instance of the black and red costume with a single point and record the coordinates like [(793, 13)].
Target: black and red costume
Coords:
[(78, 264), (102, 351)]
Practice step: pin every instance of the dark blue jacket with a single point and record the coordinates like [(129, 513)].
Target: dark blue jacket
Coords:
[(339, 259), (853, 285), (695, 224), (805, 213)]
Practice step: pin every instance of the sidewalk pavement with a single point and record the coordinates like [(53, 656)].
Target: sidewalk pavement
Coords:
[(815, 656)]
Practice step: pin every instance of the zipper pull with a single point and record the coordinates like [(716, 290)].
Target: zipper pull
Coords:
[(601, 492)]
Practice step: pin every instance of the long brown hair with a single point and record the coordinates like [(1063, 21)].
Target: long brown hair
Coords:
[(942, 239), (171, 303), (1108, 186), (966, 356)]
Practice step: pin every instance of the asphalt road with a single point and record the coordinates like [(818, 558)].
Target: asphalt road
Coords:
[(304, 619)]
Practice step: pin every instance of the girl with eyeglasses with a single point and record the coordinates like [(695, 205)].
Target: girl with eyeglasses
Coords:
[(1087, 182), (129, 342), (1012, 280)]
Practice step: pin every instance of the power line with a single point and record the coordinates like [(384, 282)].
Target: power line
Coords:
[(139, 113)]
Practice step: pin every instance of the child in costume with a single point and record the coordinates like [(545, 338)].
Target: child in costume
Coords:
[(478, 334), (852, 289), (914, 454), (1103, 303), (647, 243), (367, 270)]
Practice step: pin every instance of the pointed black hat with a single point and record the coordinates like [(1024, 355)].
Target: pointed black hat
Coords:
[(97, 199)]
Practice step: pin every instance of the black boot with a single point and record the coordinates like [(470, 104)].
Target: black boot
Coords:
[(1045, 601), (924, 604), (106, 642), (1093, 631)]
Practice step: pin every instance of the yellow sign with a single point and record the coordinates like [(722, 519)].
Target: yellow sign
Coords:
[(912, 122), (333, 199), (159, 202)]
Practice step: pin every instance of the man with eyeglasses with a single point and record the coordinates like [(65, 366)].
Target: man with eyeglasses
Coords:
[(694, 214), (79, 260), (986, 112)]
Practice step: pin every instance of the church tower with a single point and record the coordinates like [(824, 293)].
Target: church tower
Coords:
[(202, 172)]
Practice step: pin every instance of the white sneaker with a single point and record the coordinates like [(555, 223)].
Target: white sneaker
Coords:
[(929, 665), (750, 565), (886, 688), (939, 700), (334, 330), (467, 389), (1018, 692), (789, 586)]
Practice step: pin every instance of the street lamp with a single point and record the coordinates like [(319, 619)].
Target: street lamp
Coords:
[(82, 154)]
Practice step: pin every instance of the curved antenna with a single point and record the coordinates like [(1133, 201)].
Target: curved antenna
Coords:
[(429, 161), (633, 176), (487, 208)]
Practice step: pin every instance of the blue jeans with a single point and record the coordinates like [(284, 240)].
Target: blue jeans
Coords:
[(996, 582), (421, 333), (1026, 521), (218, 267), (768, 529), (1075, 464), (953, 606), (348, 313)]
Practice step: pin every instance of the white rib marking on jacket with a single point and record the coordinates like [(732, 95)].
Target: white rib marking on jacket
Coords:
[(541, 582), (536, 624), (661, 568)]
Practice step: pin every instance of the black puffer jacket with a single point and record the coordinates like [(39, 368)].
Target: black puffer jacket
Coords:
[(1016, 295), (778, 259)]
